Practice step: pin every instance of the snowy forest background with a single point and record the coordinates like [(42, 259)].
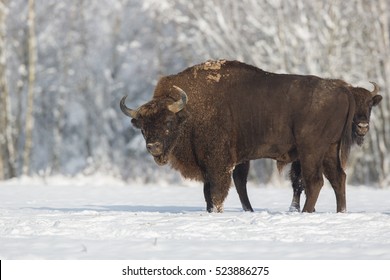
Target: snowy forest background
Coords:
[(64, 65)]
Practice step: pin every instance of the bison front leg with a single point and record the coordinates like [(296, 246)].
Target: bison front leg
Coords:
[(207, 196), (216, 190), (240, 176)]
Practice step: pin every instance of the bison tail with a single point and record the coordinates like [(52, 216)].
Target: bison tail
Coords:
[(346, 140)]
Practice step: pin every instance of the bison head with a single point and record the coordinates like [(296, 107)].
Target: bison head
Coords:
[(364, 100), (160, 121)]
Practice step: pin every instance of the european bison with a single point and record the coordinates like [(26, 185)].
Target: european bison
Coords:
[(364, 100), (214, 116)]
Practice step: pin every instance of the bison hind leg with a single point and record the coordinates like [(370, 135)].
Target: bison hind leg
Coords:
[(294, 206), (335, 174), (312, 170), (297, 185)]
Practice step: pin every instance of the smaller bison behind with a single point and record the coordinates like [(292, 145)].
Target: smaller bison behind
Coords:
[(364, 101), (211, 117)]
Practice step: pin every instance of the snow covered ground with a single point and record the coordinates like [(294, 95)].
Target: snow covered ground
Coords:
[(103, 218)]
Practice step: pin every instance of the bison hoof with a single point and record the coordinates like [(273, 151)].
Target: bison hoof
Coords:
[(294, 208), (218, 209), (215, 209)]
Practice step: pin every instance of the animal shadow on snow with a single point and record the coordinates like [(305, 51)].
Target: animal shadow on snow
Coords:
[(123, 208), (141, 208)]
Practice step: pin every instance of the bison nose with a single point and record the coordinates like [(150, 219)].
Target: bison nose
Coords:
[(363, 125), (362, 128), (154, 148)]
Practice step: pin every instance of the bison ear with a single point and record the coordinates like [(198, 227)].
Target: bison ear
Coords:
[(136, 123), (182, 116), (376, 99)]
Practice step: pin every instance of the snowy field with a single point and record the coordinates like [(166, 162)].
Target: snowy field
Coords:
[(103, 218)]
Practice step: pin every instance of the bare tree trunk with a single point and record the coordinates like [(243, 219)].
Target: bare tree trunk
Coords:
[(3, 91), (383, 46), (7, 151), (32, 59)]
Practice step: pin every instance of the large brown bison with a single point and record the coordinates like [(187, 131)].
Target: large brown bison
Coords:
[(364, 100), (211, 117)]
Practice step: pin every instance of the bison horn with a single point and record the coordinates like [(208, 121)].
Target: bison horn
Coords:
[(376, 89), (179, 105), (127, 111)]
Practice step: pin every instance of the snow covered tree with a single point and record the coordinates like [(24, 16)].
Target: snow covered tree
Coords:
[(32, 60), (91, 53)]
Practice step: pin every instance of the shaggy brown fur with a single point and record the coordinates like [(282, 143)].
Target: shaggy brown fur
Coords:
[(236, 113)]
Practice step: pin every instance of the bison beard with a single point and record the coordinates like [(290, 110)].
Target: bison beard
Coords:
[(207, 126)]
